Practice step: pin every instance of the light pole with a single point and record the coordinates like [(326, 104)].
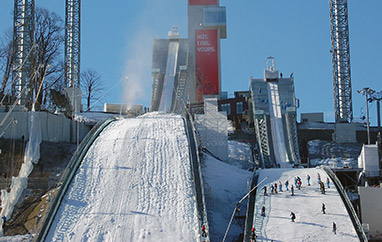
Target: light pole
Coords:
[(378, 97), (367, 92)]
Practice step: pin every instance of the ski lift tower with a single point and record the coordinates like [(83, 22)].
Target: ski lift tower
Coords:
[(341, 68), (23, 29), (72, 52)]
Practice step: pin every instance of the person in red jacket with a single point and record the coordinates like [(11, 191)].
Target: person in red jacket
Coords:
[(204, 233)]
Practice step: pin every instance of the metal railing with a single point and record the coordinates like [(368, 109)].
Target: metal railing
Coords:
[(250, 209), (349, 207), (197, 174)]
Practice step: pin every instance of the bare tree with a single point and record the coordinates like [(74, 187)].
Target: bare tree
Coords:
[(47, 65), (6, 57), (91, 85)]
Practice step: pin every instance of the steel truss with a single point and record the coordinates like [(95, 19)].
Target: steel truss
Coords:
[(341, 61), (72, 43), (291, 120), (262, 137), (23, 30)]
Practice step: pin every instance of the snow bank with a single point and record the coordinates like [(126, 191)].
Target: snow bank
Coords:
[(89, 117), (334, 155), (17, 238), (338, 162), (19, 183), (224, 186), (240, 154)]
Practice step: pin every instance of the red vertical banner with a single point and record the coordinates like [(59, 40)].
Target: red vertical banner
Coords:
[(203, 2), (206, 63)]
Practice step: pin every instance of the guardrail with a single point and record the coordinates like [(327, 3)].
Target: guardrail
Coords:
[(349, 207), (197, 174), (250, 209), (68, 175)]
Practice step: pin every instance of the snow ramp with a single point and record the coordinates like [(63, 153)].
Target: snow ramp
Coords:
[(135, 183), (311, 224)]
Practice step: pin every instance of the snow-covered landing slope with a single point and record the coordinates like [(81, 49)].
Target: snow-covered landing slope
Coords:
[(134, 184), (310, 224)]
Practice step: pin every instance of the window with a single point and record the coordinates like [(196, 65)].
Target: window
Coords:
[(239, 107), (226, 107), (214, 16)]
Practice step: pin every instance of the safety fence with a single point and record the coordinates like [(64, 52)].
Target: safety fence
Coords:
[(250, 209), (197, 175)]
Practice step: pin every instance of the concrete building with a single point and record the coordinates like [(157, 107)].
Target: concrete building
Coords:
[(312, 117)]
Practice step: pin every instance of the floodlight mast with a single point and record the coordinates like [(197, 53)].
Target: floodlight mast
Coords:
[(72, 43), (23, 31), (341, 61)]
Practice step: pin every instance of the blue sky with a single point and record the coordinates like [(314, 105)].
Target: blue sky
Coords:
[(116, 41)]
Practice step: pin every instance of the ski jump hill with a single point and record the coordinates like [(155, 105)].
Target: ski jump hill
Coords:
[(136, 182), (310, 223)]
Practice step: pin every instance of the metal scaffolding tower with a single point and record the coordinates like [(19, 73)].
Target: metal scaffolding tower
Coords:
[(72, 43), (23, 30), (341, 61)]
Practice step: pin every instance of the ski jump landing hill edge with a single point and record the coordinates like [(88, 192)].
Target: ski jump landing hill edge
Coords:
[(135, 183)]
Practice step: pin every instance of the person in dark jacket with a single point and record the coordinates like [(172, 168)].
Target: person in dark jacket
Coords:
[(265, 191), (323, 208), (334, 228), (263, 211), (293, 216)]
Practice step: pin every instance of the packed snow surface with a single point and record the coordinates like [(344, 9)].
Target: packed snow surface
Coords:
[(134, 184), (277, 129), (310, 224)]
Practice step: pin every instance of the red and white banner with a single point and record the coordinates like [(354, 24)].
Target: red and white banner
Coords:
[(206, 63), (203, 2)]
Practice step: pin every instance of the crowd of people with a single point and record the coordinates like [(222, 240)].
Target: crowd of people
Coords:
[(275, 188)]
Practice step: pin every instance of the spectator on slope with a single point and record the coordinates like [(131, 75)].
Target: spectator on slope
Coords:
[(276, 187), (334, 228), (265, 191), (272, 188), (295, 181), (293, 216), (292, 189), (299, 184), (263, 211), (308, 178), (328, 182), (322, 187), (323, 208), (253, 234), (280, 186), (204, 233), (287, 184)]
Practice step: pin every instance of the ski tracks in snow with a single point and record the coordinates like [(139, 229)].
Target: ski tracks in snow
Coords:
[(134, 184)]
